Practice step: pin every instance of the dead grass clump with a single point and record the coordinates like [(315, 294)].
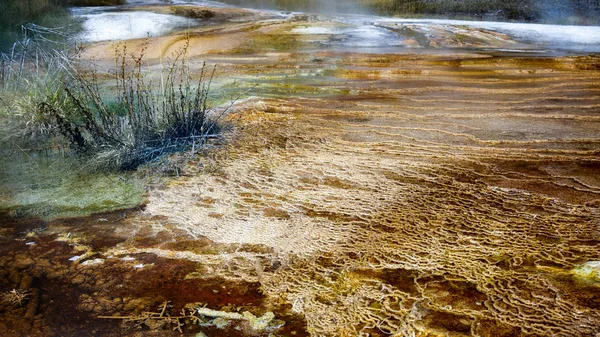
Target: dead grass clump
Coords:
[(144, 120), (15, 297)]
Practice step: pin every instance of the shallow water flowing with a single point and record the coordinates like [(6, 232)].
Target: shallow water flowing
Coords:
[(385, 177)]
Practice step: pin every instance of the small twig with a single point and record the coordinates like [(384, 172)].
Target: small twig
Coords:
[(134, 318), (164, 308)]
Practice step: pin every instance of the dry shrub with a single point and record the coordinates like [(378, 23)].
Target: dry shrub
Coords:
[(144, 120)]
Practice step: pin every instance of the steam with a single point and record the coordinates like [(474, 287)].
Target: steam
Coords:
[(550, 11), (566, 37), (327, 7)]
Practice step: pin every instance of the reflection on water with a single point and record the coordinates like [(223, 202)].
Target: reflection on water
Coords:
[(52, 186)]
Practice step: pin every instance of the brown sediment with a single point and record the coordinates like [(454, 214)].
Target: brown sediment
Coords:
[(65, 298)]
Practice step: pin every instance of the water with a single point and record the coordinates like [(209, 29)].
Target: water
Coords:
[(52, 186), (104, 25), (355, 36), (573, 38), (358, 31)]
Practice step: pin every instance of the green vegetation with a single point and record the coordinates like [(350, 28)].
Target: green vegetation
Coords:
[(320, 6), (15, 13), (557, 11), (67, 132), (39, 176)]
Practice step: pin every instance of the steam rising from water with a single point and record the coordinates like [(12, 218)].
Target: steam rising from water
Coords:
[(558, 8), (328, 7), (575, 38)]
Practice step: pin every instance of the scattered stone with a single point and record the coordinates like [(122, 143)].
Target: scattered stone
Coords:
[(92, 262), (222, 318), (259, 323), (133, 304), (79, 279), (23, 261)]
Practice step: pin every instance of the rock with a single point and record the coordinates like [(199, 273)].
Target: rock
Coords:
[(220, 322), (99, 309), (79, 279), (223, 318), (44, 264), (57, 273), (23, 261), (26, 282), (259, 323), (87, 306), (133, 304), (589, 271), (92, 262), (14, 276), (33, 303), (155, 324), (86, 303)]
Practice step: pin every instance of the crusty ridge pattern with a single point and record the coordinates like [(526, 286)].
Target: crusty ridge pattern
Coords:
[(383, 221)]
